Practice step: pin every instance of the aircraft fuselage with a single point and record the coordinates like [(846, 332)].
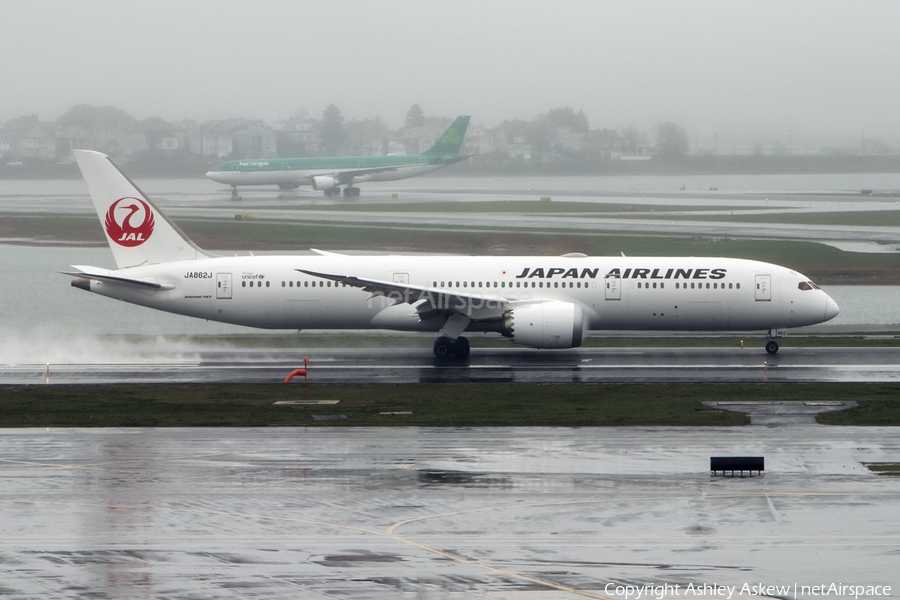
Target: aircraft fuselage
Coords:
[(702, 294)]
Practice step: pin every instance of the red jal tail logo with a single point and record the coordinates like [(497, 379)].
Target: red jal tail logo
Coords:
[(120, 228)]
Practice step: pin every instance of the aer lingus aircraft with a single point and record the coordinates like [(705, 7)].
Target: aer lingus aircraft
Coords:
[(535, 301), (329, 174)]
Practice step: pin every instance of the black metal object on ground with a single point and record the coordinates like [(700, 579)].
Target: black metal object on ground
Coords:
[(737, 464)]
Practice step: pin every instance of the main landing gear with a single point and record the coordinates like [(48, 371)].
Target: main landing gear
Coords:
[(348, 191), (444, 347), (771, 346)]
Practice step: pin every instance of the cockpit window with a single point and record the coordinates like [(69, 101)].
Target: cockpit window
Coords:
[(805, 285)]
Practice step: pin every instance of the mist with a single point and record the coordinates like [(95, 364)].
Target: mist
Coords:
[(809, 72)]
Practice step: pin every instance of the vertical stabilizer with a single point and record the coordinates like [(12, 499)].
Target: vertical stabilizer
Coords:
[(138, 233), (451, 139)]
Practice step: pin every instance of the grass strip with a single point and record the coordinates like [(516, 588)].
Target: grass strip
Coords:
[(423, 405)]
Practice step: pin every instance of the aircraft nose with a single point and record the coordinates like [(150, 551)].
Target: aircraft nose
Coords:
[(831, 308)]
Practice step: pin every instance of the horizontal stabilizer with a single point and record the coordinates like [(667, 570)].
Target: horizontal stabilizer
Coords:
[(113, 277)]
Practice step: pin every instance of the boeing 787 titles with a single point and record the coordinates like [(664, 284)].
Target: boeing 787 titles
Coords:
[(329, 174), (535, 301)]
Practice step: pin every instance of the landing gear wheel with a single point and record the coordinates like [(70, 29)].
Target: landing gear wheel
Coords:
[(443, 347), (771, 346), (461, 347)]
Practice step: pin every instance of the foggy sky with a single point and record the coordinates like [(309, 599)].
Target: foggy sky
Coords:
[(818, 70)]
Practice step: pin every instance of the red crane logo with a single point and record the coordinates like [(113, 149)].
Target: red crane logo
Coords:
[(120, 228)]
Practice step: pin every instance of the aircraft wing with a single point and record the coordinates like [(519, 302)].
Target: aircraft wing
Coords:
[(346, 176), (428, 301)]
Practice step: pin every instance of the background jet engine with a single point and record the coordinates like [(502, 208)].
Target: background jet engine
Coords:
[(324, 182), (545, 325)]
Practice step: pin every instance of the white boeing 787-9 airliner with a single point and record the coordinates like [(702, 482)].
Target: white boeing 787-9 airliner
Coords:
[(539, 302)]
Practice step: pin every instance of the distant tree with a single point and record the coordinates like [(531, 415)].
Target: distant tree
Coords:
[(671, 140), (875, 146), (633, 140), (544, 128), (93, 117), (560, 118), (332, 132), (414, 117)]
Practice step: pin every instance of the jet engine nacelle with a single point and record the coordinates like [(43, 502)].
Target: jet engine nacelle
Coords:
[(546, 325), (324, 182)]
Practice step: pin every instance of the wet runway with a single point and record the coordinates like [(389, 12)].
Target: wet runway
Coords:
[(418, 365), (513, 514)]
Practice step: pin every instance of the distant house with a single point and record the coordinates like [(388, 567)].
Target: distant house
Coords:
[(372, 138), (118, 141), (237, 138), (159, 135), (255, 140), (568, 140), (478, 140), (71, 138), (34, 143), (518, 148), (206, 140), (297, 137), (601, 143), (419, 139)]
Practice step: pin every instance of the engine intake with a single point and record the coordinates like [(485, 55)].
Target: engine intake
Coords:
[(545, 325), (324, 182)]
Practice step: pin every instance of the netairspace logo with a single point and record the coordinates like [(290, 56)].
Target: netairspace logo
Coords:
[(727, 592)]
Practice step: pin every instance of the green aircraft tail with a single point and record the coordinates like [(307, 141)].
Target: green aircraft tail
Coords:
[(451, 139)]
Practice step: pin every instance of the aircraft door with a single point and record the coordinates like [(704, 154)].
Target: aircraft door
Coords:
[(763, 288), (223, 286), (613, 288)]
